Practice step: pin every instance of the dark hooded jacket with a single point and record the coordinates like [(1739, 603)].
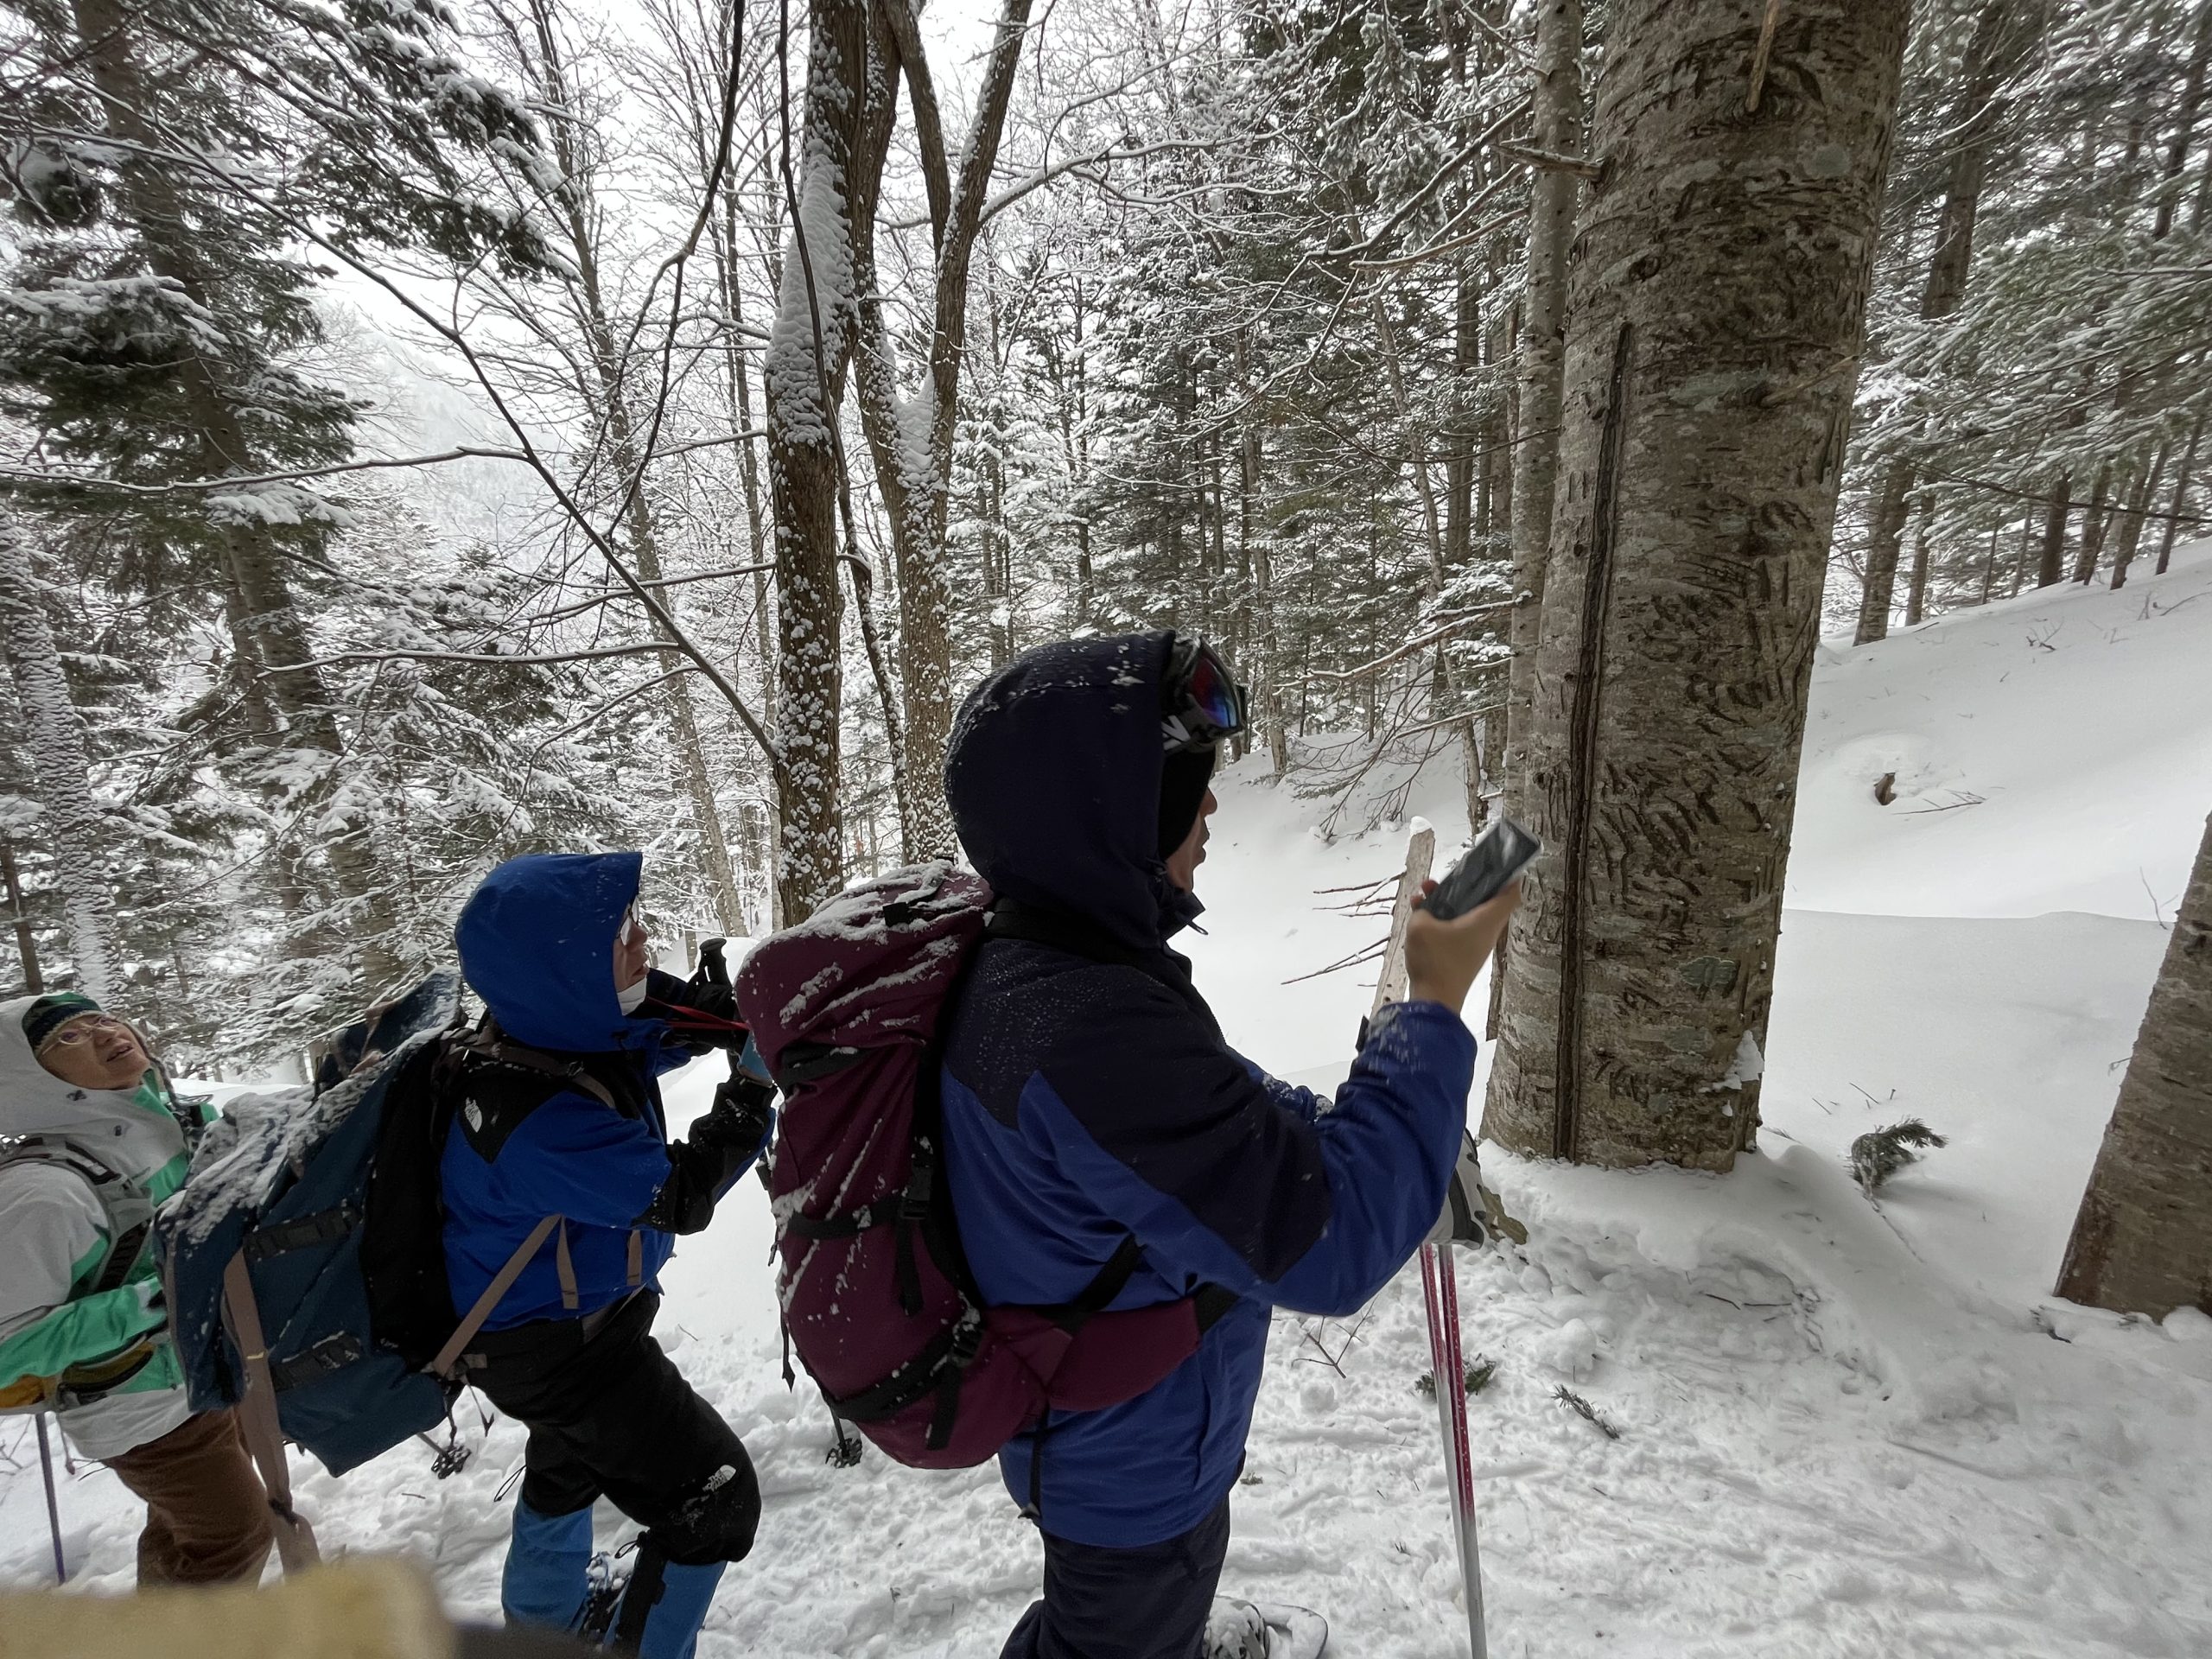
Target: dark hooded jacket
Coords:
[(1089, 1097), (537, 943)]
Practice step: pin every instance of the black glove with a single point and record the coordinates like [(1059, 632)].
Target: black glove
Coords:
[(713, 1154), (702, 1011)]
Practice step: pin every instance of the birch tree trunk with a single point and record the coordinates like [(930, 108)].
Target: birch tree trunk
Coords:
[(54, 734), (2142, 1241), (1555, 125), (1717, 301), (849, 103)]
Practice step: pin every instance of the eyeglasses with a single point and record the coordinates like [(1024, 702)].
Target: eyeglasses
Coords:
[(633, 924), (1200, 701), (84, 1027)]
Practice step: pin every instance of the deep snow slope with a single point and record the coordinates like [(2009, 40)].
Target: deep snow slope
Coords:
[(1845, 1429)]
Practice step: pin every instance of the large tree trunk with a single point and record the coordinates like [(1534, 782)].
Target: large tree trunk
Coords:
[(2181, 497), (54, 734), (1717, 300), (2131, 520), (1555, 124), (1916, 595), (912, 442), (1885, 535), (2142, 1242), (2096, 518), (2050, 563), (849, 103)]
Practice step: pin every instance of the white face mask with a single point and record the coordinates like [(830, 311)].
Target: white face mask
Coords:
[(632, 997)]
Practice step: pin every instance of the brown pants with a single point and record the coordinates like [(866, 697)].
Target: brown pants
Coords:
[(206, 1515)]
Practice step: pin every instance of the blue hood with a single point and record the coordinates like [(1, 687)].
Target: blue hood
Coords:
[(1053, 776), (537, 943)]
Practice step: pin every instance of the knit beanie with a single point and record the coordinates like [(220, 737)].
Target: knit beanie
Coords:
[(50, 1013)]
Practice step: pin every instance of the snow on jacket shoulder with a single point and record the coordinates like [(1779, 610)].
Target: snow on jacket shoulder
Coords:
[(1089, 1100), (537, 942)]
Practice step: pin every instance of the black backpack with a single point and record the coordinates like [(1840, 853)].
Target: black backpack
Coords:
[(304, 1256)]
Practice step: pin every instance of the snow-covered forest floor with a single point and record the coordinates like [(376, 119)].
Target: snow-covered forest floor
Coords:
[(1844, 1428)]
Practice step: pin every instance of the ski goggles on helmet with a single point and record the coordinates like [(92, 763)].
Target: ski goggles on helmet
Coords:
[(1200, 701)]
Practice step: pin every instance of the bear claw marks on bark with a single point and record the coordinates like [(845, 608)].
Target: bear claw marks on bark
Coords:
[(1694, 502)]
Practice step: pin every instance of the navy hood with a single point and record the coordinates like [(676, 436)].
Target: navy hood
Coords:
[(537, 943), (1053, 776)]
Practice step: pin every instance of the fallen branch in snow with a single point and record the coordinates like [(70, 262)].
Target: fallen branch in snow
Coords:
[(1585, 1410), (1882, 1153), (1480, 1370)]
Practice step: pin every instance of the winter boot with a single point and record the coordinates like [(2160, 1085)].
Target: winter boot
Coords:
[(664, 1605), (548, 1568), (1244, 1629)]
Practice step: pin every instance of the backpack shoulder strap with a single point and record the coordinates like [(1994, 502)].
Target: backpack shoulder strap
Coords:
[(127, 1211), (502, 1281), (495, 1045)]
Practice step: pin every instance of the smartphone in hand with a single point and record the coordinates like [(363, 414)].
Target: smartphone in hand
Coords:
[(1499, 855)]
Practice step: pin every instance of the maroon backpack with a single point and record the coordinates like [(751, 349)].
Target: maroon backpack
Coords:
[(847, 1008)]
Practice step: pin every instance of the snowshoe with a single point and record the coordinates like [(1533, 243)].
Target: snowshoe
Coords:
[(601, 1599), (1243, 1630)]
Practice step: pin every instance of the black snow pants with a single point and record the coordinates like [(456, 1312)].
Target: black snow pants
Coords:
[(1149, 1602), (609, 1414)]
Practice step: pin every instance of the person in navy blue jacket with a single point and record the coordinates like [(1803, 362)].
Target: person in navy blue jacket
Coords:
[(1089, 1098), (557, 1114)]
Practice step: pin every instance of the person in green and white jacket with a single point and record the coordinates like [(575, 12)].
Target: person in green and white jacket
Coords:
[(91, 1138)]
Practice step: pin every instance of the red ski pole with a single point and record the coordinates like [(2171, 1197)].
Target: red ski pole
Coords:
[(1439, 1280)]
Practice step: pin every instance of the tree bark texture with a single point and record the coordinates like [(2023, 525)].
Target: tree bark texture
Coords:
[(2142, 1241), (848, 104), (54, 734), (1555, 124), (1717, 300)]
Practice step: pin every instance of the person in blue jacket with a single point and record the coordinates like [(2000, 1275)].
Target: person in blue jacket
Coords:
[(557, 1114), (1089, 1098)]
